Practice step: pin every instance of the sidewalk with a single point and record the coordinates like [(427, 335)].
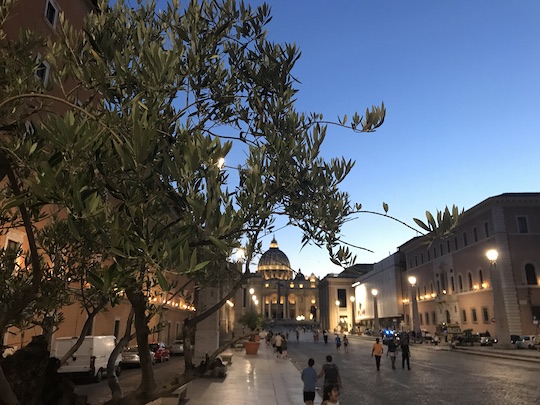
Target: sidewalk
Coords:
[(251, 379)]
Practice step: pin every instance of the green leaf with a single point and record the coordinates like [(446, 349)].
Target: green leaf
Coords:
[(385, 207), (421, 224), (163, 283), (219, 243)]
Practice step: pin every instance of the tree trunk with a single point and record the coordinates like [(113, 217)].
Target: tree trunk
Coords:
[(6, 393), (148, 384)]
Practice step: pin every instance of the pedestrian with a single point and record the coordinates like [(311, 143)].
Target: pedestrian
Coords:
[(309, 377), (284, 352), (405, 355), (330, 372), (331, 395), (338, 342), (297, 336), (325, 336), (346, 343), (278, 341), (377, 351), (392, 351)]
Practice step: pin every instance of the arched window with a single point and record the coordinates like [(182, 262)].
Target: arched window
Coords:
[(469, 278), (425, 290), (432, 291), (453, 283), (481, 277), (530, 274), (460, 282)]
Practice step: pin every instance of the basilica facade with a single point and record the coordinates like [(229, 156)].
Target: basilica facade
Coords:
[(280, 293)]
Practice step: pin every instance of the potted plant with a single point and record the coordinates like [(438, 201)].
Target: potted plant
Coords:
[(253, 321)]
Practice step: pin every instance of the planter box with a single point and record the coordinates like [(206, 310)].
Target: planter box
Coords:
[(252, 347)]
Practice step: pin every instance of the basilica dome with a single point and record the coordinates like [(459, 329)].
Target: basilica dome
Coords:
[(274, 264)]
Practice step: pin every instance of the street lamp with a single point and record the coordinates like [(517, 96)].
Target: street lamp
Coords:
[(499, 313), (376, 326), (414, 304), (337, 312), (352, 313)]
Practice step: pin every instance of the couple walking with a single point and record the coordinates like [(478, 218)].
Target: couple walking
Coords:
[(331, 386), (377, 352)]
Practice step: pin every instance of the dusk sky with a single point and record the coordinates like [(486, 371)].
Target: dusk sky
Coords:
[(461, 84)]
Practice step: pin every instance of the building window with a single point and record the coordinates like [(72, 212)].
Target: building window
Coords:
[(410, 263), (486, 229), (475, 234), (421, 319), (421, 258), (434, 318), (442, 253), (455, 243), (342, 297), (453, 283), (51, 13), (116, 328), (485, 315), (530, 274), (460, 282), (416, 260), (470, 283), (427, 318), (434, 253), (522, 225), (463, 316), (474, 319), (428, 256), (464, 238), (448, 246), (481, 277), (42, 72)]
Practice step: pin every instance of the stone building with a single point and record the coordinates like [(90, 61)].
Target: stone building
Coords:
[(281, 294), (458, 285)]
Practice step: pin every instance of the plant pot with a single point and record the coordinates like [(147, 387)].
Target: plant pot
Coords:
[(251, 347)]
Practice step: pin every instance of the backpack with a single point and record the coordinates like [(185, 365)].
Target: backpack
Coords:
[(331, 373)]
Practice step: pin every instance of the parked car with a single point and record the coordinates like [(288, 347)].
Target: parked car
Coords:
[(91, 357), (526, 342), (130, 357), (514, 338), (161, 352), (177, 348), (486, 340)]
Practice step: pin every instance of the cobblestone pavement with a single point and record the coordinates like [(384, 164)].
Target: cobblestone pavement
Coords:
[(436, 376)]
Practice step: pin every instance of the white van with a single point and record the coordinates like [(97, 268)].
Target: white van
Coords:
[(90, 359)]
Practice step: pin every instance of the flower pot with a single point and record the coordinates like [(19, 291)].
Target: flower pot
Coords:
[(251, 347)]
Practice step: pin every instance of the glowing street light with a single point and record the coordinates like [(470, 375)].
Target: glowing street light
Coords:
[(338, 303), (414, 305), (376, 326), (499, 312)]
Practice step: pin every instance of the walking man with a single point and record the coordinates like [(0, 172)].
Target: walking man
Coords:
[(338, 343), (330, 372), (325, 336), (405, 355), (309, 377), (278, 342), (346, 343), (377, 351), (392, 349)]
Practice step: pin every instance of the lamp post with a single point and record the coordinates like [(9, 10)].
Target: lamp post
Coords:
[(376, 326), (501, 322), (414, 305), (337, 312), (352, 313)]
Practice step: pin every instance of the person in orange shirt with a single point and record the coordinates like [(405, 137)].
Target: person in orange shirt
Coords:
[(377, 351)]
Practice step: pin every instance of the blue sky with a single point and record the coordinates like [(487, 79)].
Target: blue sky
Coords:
[(461, 84)]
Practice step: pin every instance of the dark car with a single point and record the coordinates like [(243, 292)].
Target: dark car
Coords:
[(514, 338)]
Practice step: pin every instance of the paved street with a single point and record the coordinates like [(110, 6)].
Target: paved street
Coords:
[(437, 376), (129, 380)]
